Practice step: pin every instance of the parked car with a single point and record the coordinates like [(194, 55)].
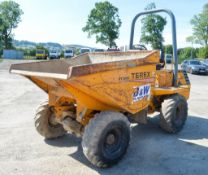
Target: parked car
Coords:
[(205, 62), (54, 54), (84, 50), (113, 49), (68, 53), (194, 66), (99, 50), (168, 58)]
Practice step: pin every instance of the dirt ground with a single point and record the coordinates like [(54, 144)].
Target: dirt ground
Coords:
[(24, 152)]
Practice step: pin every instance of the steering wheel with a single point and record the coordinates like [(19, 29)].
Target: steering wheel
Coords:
[(139, 47)]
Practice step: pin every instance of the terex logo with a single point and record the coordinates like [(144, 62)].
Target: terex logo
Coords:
[(141, 92), (140, 75)]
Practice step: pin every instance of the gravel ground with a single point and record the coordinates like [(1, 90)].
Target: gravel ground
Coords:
[(151, 151)]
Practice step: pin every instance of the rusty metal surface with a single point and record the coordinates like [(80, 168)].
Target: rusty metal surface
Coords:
[(102, 57), (86, 64), (54, 66), (115, 60)]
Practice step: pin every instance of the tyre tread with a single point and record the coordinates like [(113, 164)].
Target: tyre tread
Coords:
[(90, 139)]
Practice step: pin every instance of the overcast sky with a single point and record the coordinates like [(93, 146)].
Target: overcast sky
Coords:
[(62, 20)]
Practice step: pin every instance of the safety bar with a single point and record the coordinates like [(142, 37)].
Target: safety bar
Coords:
[(174, 40)]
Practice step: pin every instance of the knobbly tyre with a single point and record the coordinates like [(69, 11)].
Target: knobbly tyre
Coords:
[(96, 95)]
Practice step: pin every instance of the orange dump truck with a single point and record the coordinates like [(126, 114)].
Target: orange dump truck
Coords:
[(97, 95)]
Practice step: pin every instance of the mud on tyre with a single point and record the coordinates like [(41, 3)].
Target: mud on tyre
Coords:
[(43, 125), (173, 113)]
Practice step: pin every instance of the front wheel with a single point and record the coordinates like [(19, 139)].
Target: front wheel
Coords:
[(173, 113), (106, 138)]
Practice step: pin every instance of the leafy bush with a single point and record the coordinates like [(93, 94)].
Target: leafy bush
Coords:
[(28, 52), (203, 52), (188, 52)]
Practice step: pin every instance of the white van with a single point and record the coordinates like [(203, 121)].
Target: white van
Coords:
[(54, 54), (68, 53), (168, 58), (84, 50)]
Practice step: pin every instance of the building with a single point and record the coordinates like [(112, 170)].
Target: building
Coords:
[(13, 54)]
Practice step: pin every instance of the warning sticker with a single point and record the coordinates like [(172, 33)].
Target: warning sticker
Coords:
[(141, 92)]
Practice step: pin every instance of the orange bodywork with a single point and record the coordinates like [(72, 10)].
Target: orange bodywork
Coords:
[(116, 81)]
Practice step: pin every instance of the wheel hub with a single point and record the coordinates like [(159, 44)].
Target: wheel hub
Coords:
[(52, 120), (110, 140)]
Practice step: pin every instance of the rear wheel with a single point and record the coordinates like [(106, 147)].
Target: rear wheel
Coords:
[(173, 113), (106, 138), (43, 125)]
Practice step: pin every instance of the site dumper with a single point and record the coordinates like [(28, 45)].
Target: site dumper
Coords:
[(96, 95)]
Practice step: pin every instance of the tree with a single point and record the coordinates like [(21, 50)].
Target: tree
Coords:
[(168, 49), (187, 52), (104, 23), (191, 40), (41, 47), (1, 29), (200, 27), (152, 28), (10, 13), (203, 52)]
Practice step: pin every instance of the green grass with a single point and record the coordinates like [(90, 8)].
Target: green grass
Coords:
[(29, 58)]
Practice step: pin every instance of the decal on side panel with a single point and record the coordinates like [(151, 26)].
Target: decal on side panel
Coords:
[(141, 92)]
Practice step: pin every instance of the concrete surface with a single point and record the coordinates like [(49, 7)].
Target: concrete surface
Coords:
[(151, 151)]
